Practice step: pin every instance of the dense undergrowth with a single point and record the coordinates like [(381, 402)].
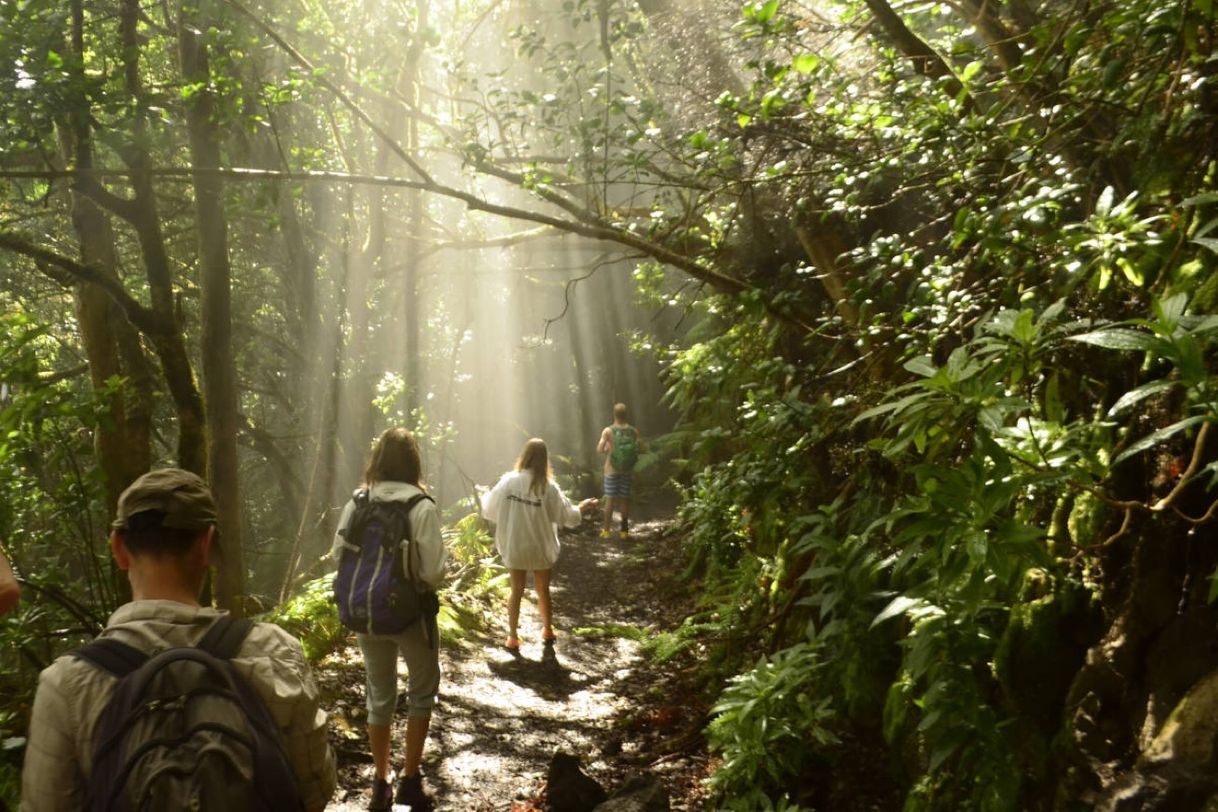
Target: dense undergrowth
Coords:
[(915, 510)]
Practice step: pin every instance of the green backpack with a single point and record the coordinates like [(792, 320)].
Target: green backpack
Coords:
[(625, 448)]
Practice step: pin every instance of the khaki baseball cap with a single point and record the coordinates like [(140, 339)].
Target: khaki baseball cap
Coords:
[(183, 497)]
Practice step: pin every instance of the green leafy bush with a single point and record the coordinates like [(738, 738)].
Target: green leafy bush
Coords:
[(767, 721), (312, 617)]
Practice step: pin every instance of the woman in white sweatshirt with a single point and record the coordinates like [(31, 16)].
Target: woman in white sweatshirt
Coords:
[(527, 507)]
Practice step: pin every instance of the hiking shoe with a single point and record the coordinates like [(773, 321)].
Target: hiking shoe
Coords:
[(382, 796), (606, 534), (410, 793), (624, 534)]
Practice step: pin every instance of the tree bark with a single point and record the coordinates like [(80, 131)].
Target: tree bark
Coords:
[(924, 58), (123, 441), (413, 367), (219, 376), (140, 211)]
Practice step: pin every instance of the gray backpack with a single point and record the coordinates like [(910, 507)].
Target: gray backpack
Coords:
[(184, 730)]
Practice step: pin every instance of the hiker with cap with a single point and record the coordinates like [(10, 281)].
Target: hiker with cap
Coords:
[(163, 538)]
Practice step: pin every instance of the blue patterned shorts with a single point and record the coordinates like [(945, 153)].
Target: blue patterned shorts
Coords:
[(617, 486)]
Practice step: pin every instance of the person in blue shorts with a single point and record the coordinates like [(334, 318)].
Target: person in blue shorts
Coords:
[(621, 445)]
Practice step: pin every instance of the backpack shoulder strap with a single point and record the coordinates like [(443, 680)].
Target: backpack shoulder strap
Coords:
[(360, 499), (408, 506), (223, 640), (111, 655)]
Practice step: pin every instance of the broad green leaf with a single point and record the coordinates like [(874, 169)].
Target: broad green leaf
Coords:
[(921, 366), (1052, 312), (1024, 331), (805, 63), (897, 606), (1208, 242), (1115, 338), (1054, 410), (1205, 325), (874, 411), (760, 12), (942, 754), (976, 544), (1201, 199), (893, 405), (1159, 436), (1103, 206), (1170, 310), (1139, 394)]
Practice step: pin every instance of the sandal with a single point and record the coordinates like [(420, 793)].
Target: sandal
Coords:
[(512, 644), (548, 638)]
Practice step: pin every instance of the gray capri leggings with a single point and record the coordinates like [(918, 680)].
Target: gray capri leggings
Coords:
[(381, 672)]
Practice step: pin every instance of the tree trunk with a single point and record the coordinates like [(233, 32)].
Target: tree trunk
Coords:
[(413, 368), (219, 376), (123, 441), (140, 211)]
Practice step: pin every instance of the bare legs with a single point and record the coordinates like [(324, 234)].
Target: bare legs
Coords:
[(514, 603), (378, 740), (416, 737), (541, 582), (622, 505)]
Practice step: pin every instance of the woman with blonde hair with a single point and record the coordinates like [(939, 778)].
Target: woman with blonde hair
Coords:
[(394, 474), (527, 506)]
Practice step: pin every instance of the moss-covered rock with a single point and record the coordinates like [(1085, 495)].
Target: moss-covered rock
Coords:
[(1043, 647), (1085, 520), (1190, 734)]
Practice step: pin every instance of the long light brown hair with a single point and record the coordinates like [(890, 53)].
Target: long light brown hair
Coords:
[(395, 458), (536, 460)]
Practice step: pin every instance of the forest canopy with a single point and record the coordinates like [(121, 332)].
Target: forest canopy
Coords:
[(919, 298)]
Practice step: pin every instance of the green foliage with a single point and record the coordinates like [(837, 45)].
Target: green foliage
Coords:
[(312, 617), (766, 722), (618, 630), (478, 571), (50, 520)]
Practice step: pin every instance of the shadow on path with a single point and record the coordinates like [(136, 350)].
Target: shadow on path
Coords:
[(502, 715)]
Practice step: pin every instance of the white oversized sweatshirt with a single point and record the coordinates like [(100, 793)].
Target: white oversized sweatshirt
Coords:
[(526, 525)]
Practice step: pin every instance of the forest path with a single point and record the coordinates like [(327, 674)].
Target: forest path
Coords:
[(502, 716)]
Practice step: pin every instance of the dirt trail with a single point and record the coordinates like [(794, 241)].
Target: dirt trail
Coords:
[(501, 716)]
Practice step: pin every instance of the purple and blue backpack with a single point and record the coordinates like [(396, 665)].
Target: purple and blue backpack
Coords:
[(373, 594)]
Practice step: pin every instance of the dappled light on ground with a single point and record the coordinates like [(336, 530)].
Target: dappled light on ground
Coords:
[(595, 693)]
